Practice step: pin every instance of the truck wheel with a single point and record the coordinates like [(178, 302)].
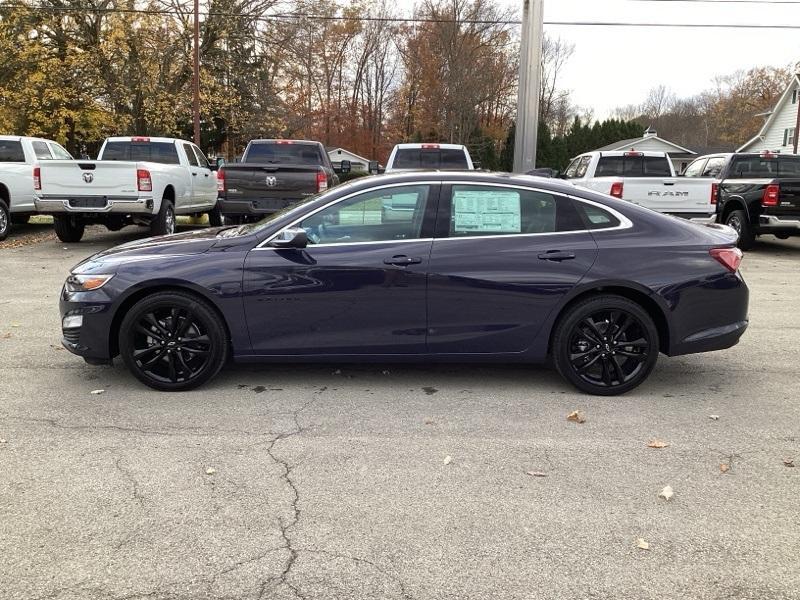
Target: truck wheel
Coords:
[(737, 219), (20, 219), (5, 220), (69, 229), (233, 220), (164, 222), (214, 217)]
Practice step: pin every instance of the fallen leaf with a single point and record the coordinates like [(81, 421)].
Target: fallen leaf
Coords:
[(714, 417), (97, 392), (666, 493), (535, 473), (640, 543), (724, 467), (3, 441), (448, 459), (210, 471), (788, 462), (5, 336), (15, 324), (577, 416), (430, 422), (657, 444)]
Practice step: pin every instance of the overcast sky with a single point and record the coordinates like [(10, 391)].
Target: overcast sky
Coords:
[(614, 66)]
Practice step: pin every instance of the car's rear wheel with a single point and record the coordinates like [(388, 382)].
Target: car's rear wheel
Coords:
[(173, 341), (605, 345), (214, 217), (69, 228), (164, 222), (5, 220), (737, 219)]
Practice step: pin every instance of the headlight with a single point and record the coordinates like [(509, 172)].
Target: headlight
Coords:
[(86, 283)]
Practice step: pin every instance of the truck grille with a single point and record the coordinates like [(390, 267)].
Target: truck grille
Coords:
[(87, 202)]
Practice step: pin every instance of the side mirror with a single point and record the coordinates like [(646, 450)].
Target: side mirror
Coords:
[(345, 166), (476, 164), (373, 167), (293, 237)]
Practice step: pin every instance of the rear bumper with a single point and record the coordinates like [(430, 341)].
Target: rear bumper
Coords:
[(708, 340), (775, 224), (51, 205), (255, 206)]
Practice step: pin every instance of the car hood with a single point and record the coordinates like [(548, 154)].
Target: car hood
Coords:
[(180, 244)]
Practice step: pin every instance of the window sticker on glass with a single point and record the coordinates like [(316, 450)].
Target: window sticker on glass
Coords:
[(486, 211)]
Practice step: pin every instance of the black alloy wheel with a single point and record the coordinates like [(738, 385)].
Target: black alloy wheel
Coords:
[(606, 345), (173, 341)]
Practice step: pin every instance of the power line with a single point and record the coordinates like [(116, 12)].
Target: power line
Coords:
[(367, 18)]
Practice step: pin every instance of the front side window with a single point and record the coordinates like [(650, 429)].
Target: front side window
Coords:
[(41, 151), (491, 210), (572, 168), (381, 215), (202, 161), (580, 171), (190, 155), (695, 169)]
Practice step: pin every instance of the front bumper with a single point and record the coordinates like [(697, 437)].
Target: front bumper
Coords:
[(91, 339), (51, 205)]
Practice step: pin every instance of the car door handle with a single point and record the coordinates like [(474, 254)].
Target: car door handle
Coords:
[(557, 255), (402, 260), (194, 174), (205, 174), (669, 183)]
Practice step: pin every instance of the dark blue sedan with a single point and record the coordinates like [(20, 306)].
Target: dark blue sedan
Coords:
[(425, 266)]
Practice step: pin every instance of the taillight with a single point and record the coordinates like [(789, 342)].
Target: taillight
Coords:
[(221, 180), (322, 181), (771, 194), (616, 189), (730, 258), (37, 178), (143, 181), (714, 192)]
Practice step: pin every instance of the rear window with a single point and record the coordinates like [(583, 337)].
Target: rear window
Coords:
[(595, 217), (11, 151), (292, 154), (632, 166), (448, 159), (757, 167), (157, 152)]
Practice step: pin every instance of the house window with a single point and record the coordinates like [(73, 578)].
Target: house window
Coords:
[(788, 137), (794, 96)]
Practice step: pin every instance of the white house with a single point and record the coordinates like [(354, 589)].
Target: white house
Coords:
[(357, 163), (650, 142), (779, 130)]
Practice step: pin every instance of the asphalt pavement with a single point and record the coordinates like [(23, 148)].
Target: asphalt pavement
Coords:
[(395, 482)]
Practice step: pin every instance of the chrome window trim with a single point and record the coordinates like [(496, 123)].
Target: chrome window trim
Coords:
[(624, 222)]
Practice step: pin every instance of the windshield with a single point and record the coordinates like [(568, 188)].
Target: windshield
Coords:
[(287, 153), (250, 228), (764, 167), (430, 158)]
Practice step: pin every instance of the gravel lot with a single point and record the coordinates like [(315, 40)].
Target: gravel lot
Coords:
[(332, 481)]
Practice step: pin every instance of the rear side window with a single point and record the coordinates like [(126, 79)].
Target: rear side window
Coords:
[(157, 152), (59, 152), (595, 217), (430, 158), (695, 169), (41, 151), (283, 153), (490, 210), (11, 151), (714, 167)]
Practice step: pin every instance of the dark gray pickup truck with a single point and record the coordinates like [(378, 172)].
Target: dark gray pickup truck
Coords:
[(273, 175)]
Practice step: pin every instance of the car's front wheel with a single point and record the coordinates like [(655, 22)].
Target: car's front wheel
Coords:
[(605, 345), (173, 341), (5, 220)]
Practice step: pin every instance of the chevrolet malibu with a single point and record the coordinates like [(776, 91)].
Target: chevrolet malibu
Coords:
[(476, 267)]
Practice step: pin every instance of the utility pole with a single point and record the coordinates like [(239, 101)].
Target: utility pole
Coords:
[(196, 76), (530, 68)]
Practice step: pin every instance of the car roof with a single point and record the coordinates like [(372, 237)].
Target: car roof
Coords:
[(430, 145), (455, 176), (19, 138)]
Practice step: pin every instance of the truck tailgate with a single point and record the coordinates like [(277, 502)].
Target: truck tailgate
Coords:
[(677, 195), (270, 186), (86, 178), (789, 199)]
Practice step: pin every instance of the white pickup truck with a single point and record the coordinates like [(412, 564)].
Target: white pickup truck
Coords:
[(135, 180), (646, 179), (18, 157)]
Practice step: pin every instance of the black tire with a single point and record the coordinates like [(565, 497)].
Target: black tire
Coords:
[(737, 219), (214, 217), (605, 345), (173, 341), (5, 220), (69, 229), (18, 219), (164, 222), (233, 219)]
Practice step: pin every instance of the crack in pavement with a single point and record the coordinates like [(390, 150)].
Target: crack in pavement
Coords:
[(128, 474)]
